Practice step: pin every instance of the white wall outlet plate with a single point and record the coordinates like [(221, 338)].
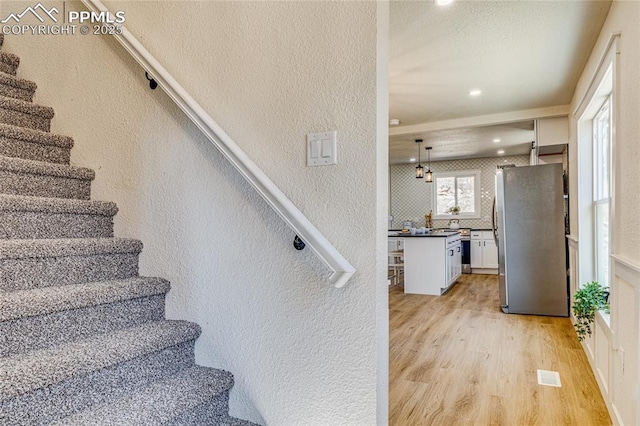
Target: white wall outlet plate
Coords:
[(322, 149)]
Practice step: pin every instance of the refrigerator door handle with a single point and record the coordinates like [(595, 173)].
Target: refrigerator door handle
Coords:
[(493, 221)]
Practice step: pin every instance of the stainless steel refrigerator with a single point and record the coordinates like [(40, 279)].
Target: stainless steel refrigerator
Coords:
[(529, 231)]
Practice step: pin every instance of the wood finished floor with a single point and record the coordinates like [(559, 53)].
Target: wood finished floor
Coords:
[(458, 360)]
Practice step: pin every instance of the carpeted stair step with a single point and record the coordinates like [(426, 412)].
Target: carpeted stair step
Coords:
[(44, 317), (17, 88), (29, 144), (28, 264), (8, 63), (233, 421), (40, 179), (25, 114), (47, 385), (38, 217), (172, 401), (35, 145)]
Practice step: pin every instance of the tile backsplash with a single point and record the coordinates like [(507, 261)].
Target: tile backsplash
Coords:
[(411, 198)]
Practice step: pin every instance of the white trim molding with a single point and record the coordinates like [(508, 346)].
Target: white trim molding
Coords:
[(341, 269), (627, 269), (607, 57), (574, 282)]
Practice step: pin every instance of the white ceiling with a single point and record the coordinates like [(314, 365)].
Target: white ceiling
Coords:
[(525, 56)]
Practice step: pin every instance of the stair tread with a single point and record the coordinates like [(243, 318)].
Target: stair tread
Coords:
[(18, 249), (26, 107), (159, 402), (35, 136), (9, 58), (233, 421), (20, 83), (40, 369), (47, 300), (20, 165), (22, 203)]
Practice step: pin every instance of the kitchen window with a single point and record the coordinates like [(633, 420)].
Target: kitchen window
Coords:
[(459, 188)]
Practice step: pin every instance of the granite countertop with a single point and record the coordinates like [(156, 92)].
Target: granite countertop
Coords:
[(431, 234)]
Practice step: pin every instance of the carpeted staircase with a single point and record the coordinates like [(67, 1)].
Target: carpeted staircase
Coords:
[(83, 339)]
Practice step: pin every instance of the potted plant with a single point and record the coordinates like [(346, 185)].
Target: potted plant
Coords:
[(591, 298), (454, 210)]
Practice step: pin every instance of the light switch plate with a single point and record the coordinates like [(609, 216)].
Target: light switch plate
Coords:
[(322, 149)]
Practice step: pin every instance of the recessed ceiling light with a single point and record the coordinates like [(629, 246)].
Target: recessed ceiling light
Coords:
[(496, 140), (501, 151), (475, 92), (394, 122), (412, 160), (443, 2)]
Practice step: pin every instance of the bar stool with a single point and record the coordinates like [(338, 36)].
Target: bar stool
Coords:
[(396, 267)]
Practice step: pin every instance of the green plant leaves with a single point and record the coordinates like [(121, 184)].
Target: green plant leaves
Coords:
[(586, 302)]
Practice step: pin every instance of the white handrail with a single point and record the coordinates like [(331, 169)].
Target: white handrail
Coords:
[(312, 237)]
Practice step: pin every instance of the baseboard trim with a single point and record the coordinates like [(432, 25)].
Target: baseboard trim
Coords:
[(617, 420)]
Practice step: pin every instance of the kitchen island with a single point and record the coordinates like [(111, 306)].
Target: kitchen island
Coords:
[(432, 262)]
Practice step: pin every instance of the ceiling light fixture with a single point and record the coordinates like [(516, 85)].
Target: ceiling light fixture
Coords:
[(394, 122), (443, 2), (501, 152), (419, 168), (475, 92), (413, 160), (429, 175), (496, 140)]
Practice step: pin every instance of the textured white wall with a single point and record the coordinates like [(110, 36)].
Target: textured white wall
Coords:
[(623, 18), (302, 351)]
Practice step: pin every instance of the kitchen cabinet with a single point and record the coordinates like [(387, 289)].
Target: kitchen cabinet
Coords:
[(453, 262), (432, 263), (490, 254), (484, 252)]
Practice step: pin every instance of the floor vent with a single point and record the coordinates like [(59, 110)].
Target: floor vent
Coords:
[(549, 378)]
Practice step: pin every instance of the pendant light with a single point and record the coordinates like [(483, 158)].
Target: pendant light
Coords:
[(429, 178), (419, 169)]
